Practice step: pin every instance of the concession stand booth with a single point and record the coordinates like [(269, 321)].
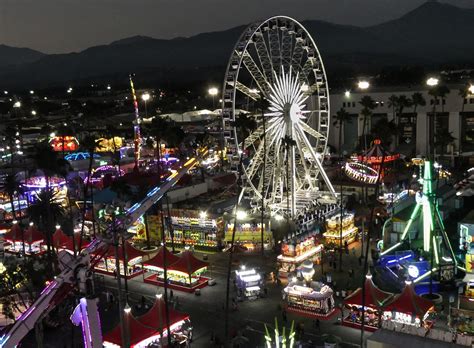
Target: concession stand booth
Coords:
[(296, 251), (408, 308), (333, 229), (106, 265), (32, 236), (313, 301), (249, 283), (184, 274), (375, 299), (147, 330)]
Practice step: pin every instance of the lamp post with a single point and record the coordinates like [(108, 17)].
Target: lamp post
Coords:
[(145, 98), (160, 327), (432, 82), (213, 91)]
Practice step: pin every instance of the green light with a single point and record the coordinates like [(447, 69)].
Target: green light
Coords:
[(410, 221), (435, 248)]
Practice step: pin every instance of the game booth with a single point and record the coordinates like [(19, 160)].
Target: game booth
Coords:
[(374, 299), (35, 184), (333, 229), (297, 250), (32, 236), (184, 274), (408, 308), (134, 256), (248, 235), (196, 229), (146, 330), (249, 283)]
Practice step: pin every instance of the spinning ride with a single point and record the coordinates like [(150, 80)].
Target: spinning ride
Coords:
[(276, 74)]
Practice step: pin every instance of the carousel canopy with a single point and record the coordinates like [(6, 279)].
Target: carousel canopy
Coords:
[(410, 303), (157, 311), (132, 253), (188, 263), (138, 332), (157, 260), (31, 234), (375, 153), (374, 297)]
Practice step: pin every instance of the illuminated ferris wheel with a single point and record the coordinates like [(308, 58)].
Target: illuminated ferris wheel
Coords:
[(276, 75)]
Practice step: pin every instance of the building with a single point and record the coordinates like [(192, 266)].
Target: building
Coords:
[(453, 112)]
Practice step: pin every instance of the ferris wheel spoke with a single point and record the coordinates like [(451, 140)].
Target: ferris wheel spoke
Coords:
[(306, 69), (274, 42), (298, 50), (255, 72), (307, 172), (311, 131), (247, 91), (263, 55)]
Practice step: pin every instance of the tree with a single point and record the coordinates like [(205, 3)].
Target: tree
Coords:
[(443, 139), (443, 91), (12, 186), (368, 105), (342, 117), (244, 125), (417, 99), (463, 93), (393, 104)]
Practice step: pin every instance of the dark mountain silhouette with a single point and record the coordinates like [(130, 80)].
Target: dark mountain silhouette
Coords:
[(15, 55), (431, 34)]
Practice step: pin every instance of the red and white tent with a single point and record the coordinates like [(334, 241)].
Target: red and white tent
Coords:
[(188, 264), (157, 261)]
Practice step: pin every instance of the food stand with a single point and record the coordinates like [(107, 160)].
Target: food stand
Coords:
[(374, 300), (248, 234), (333, 229), (297, 250), (184, 274), (249, 283), (314, 300), (32, 236), (408, 308), (107, 264)]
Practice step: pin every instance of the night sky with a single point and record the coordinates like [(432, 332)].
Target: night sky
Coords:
[(57, 26)]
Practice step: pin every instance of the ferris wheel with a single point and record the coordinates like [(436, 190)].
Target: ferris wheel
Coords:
[(276, 75)]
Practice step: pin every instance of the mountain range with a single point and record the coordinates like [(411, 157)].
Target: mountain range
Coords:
[(432, 34)]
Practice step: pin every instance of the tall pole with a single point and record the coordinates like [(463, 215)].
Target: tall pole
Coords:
[(136, 125), (264, 168), (165, 278)]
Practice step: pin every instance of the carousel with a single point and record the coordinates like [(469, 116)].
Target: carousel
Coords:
[(373, 300), (309, 298)]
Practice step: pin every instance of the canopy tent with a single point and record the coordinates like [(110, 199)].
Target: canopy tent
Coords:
[(131, 252), (374, 297), (33, 235), (14, 234), (188, 264), (157, 311), (60, 238), (157, 260), (138, 333), (410, 303)]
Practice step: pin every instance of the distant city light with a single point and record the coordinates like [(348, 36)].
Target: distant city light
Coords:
[(471, 89), (69, 90), (5, 92), (347, 94), (146, 96), (45, 98), (108, 87), (432, 81), (33, 112), (213, 91), (17, 104), (32, 92), (363, 84)]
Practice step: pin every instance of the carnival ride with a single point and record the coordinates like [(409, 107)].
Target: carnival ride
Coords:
[(277, 62), (76, 272), (431, 237)]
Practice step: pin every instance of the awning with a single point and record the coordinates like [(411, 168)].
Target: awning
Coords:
[(157, 311), (410, 303), (157, 260), (132, 253), (138, 332), (188, 264), (374, 297)]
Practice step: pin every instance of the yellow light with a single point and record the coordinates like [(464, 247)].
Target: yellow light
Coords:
[(471, 89), (213, 91), (432, 81), (363, 84)]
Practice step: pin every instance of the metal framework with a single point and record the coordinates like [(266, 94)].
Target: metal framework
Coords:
[(277, 60)]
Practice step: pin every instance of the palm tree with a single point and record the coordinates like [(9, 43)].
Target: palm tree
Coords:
[(393, 104), (12, 186), (244, 125), (417, 99), (368, 105), (342, 117), (443, 139), (443, 91), (463, 93)]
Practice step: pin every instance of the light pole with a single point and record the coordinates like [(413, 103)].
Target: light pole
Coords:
[(432, 82), (213, 91), (160, 327), (145, 98)]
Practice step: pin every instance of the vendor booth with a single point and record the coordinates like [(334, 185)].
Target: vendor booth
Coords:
[(145, 331), (297, 250), (183, 275), (32, 237), (248, 234), (107, 264), (333, 229), (374, 299), (249, 283), (313, 300), (408, 308)]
